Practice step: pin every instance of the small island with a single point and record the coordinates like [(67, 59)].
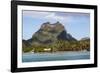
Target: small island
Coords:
[(51, 38)]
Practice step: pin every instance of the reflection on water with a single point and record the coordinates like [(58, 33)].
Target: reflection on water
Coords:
[(36, 57)]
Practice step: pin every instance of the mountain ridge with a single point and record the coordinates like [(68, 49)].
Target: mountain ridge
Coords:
[(50, 33)]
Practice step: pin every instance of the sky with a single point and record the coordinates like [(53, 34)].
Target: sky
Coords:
[(77, 24)]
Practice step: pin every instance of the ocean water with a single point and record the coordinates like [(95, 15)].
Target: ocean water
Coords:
[(38, 57)]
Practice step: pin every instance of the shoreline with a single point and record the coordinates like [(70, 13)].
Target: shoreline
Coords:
[(53, 52)]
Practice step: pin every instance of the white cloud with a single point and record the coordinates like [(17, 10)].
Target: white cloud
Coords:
[(49, 16), (46, 15), (55, 17)]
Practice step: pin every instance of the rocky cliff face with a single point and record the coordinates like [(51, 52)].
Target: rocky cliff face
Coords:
[(50, 33)]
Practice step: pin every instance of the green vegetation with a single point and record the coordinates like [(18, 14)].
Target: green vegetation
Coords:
[(61, 45), (73, 45), (27, 49)]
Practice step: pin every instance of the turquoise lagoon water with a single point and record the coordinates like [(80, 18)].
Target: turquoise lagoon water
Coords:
[(36, 57)]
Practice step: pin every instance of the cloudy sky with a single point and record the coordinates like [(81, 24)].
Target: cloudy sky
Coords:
[(77, 24)]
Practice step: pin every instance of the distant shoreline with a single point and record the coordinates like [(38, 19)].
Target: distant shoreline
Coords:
[(53, 52)]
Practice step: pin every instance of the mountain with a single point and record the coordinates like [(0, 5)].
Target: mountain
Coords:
[(85, 38), (54, 37), (26, 46), (25, 43), (50, 33)]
